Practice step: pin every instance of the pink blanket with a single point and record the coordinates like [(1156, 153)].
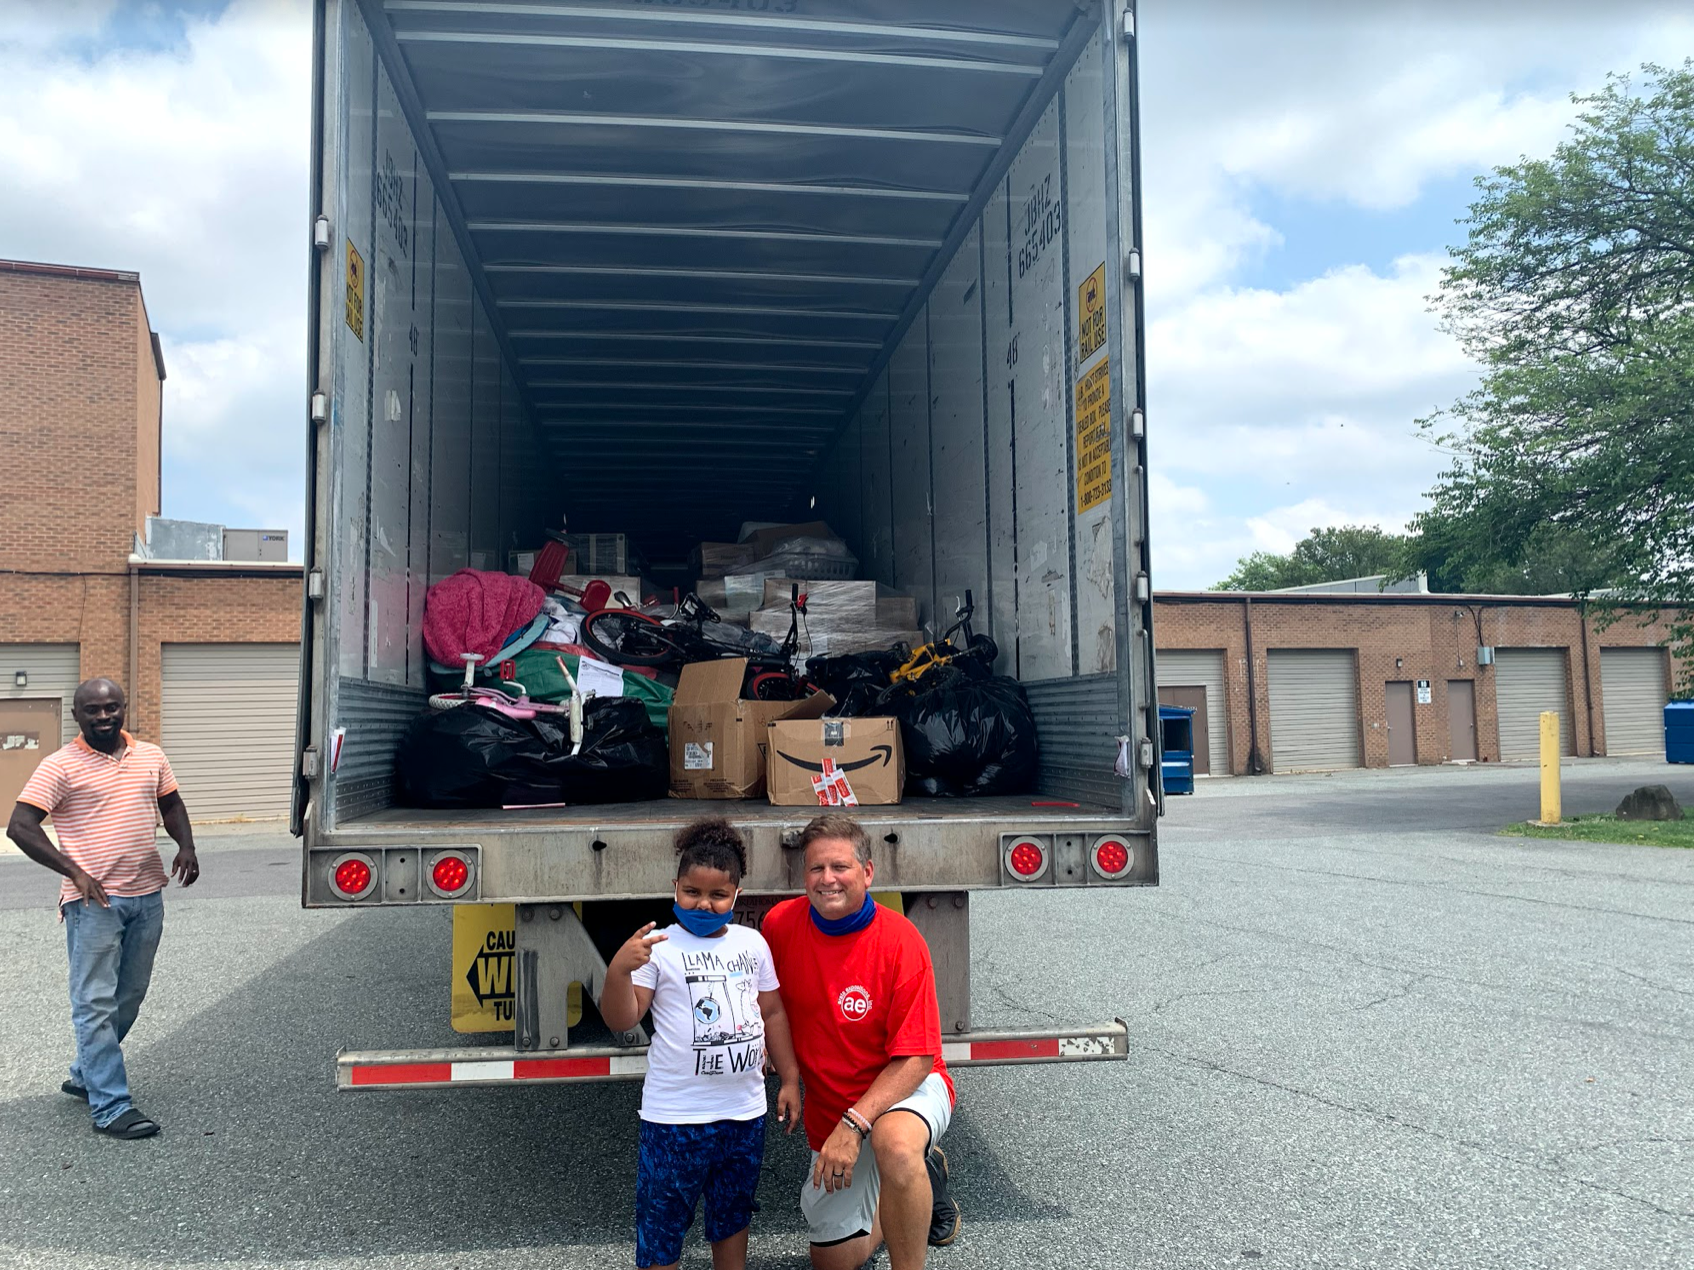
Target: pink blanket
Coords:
[(476, 612)]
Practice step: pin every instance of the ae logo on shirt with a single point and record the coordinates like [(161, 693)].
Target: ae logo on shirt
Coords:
[(854, 1004)]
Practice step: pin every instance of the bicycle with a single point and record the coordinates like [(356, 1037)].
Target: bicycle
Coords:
[(692, 632), (971, 652), (782, 680), (518, 707)]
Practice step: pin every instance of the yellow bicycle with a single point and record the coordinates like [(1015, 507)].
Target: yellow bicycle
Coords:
[(959, 645)]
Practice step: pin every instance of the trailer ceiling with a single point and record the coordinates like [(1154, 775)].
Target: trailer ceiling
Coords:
[(701, 222)]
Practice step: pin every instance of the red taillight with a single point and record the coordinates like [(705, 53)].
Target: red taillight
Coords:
[(1112, 857), (1026, 860), (450, 873), (352, 878)]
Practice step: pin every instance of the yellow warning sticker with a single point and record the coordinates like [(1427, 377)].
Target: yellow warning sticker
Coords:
[(483, 937), (1091, 316), (1094, 437), (355, 291)]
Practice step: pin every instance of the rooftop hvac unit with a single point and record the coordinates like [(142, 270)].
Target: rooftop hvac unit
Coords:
[(265, 546)]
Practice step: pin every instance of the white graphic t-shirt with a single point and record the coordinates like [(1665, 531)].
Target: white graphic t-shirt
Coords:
[(707, 1059)]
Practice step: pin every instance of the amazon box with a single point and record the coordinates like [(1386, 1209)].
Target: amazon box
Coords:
[(717, 739), (836, 762)]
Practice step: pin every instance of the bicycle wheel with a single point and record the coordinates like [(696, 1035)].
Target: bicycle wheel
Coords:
[(627, 638), (776, 685), (983, 650)]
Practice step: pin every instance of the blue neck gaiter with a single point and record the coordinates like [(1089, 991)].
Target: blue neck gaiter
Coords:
[(701, 921), (845, 925)]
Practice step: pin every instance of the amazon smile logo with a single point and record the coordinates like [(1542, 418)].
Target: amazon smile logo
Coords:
[(880, 756)]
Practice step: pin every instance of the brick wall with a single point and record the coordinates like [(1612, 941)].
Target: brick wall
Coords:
[(79, 446), (93, 611), (68, 418), (1394, 639)]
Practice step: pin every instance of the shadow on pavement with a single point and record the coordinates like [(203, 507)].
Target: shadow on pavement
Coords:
[(261, 1158)]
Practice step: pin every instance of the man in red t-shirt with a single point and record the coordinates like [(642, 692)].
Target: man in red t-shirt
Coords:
[(859, 991)]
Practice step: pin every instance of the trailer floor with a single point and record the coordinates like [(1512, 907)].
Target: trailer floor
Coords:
[(670, 813)]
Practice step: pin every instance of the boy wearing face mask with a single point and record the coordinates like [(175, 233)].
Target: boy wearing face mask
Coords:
[(716, 1015)]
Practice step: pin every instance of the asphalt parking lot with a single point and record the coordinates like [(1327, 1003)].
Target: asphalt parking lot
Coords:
[(1365, 1032)]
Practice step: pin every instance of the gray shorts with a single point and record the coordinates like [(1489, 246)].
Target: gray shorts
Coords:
[(834, 1217)]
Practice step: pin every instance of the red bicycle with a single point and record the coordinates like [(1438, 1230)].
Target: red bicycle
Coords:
[(693, 631)]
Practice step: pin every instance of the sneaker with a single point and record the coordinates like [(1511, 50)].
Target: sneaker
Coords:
[(945, 1217)]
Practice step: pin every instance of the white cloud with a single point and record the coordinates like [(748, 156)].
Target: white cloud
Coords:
[(186, 164), (1294, 408)]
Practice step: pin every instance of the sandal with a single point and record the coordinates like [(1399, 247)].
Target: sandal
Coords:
[(74, 1090), (129, 1126)]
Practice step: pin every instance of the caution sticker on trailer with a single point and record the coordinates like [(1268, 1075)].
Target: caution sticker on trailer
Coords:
[(483, 938), (355, 292), (1094, 437), (1091, 316)]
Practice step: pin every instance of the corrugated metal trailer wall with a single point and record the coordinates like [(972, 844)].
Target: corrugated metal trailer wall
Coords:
[(423, 406), (983, 458)]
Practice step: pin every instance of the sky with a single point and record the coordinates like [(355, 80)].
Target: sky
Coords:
[(1305, 164)]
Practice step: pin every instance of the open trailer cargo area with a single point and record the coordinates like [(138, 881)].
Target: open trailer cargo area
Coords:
[(668, 268)]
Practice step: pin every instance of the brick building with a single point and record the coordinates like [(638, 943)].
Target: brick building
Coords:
[(208, 649), (1315, 682)]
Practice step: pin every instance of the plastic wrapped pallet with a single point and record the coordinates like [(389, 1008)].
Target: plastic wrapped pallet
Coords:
[(818, 639), (845, 604), (732, 598), (829, 604)]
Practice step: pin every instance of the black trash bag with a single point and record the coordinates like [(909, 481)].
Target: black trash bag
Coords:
[(473, 757), (966, 736), (839, 676)]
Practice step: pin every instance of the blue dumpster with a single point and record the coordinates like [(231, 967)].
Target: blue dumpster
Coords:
[(1679, 732), (1176, 731)]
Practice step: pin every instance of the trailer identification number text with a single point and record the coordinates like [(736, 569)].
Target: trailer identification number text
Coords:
[(1041, 223)]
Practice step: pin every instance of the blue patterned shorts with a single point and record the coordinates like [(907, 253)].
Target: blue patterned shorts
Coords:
[(678, 1163)]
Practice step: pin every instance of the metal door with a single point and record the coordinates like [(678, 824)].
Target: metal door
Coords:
[(1314, 707), (1402, 724), (1195, 699), (1528, 682), (1199, 670), (1632, 681), (29, 732), (1461, 720)]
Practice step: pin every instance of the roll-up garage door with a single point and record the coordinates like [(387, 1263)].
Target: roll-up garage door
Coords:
[(1314, 707), (228, 726), (1633, 683), (1202, 669), (1528, 681)]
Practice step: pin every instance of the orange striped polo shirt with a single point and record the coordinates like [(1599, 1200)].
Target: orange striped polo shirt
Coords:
[(104, 809)]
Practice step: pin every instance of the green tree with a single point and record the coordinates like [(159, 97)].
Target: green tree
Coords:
[(1575, 290), (1326, 555)]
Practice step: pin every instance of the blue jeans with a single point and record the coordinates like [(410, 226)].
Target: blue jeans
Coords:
[(111, 952)]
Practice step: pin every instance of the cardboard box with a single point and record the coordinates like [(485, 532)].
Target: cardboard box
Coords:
[(717, 739), (714, 559), (864, 757)]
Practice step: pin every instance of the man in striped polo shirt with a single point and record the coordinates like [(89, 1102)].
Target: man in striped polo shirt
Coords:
[(105, 792)]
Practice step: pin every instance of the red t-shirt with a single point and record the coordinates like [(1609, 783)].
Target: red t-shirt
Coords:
[(854, 1002)]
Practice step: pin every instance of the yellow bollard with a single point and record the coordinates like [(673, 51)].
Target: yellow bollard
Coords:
[(1550, 808)]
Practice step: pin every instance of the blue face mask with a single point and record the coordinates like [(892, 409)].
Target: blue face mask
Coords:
[(701, 921), (845, 925)]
